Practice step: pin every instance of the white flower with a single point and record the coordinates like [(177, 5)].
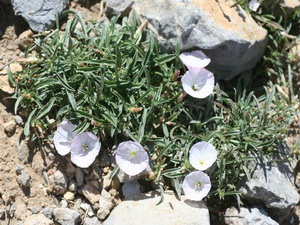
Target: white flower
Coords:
[(84, 149), (131, 157), (64, 136), (194, 59), (253, 5), (197, 82), (196, 185), (202, 155)]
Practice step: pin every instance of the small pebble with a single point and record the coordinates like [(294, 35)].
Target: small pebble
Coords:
[(18, 119), (25, 179), (79, 177), (63, 204), (69, 196), (73, 186), (19, 169), (10, 127)]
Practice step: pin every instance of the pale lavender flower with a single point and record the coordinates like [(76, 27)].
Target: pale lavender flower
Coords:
[(84, 149), (194, 59), (253, 5), (196, 185), (64, 136), (131, 157), (202, 155), (198, 83)]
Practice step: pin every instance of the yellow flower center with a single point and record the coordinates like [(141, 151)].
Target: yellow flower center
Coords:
[(85, 147), (132, 153), (201, 162), (198, 185), (195, 87)]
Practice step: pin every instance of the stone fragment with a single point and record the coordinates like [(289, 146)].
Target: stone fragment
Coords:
[(115, 7), (63, 204), (71, 170), (91, 193), (272, 184), (130, 189), (171, 211), (24, 179), (20, 213), (40, 15), (104, 159), (66, 216), (23, 151), (10, 127), (69, 196), (18, 119), (58, 182), (38, 219), (5, 86), (221, 29), (73, 186), (19, 169), (47, 212), (247, 216), (123, 177), (105, 205), (91, 221), (79, 176), (25, 39)]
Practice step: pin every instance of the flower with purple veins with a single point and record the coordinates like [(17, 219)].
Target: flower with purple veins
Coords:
[(198, 82), (131, 157), (84, 149), (64, 136), (196, 185)]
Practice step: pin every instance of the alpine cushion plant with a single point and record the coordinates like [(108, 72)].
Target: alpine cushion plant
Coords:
[(131, 157)]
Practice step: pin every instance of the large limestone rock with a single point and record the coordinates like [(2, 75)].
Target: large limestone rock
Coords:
[(273, 185), (247, 216), (144, 210), (222, 29), (40, 14)]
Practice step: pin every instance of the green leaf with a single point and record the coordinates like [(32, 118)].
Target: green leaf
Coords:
[(46, 109), (28, 123)]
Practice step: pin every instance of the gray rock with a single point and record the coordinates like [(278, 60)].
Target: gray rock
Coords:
[(23, 151), (40, 14), (18, 119), (63, 204), (34, 210), (66, 216), (24, 179), (73, 186), (58, 182), (12, 210), (115, 7), (79, 176), (47, 212), (105, 205), (91, 221), (221, 29), (170, 212), (19, 169), (247, 216), (272, 184), (130, 189), (38, 219)]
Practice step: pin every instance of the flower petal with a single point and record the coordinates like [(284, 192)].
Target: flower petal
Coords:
[(84, 149), (202, 155), (131, 157), (194, 59), (202, 79), (253, 5), (190, 185), (63, 137)]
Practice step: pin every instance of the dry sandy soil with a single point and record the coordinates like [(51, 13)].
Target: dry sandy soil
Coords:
[(14, 152)]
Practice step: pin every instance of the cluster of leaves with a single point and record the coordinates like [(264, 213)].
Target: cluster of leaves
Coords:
[(113, 80)]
